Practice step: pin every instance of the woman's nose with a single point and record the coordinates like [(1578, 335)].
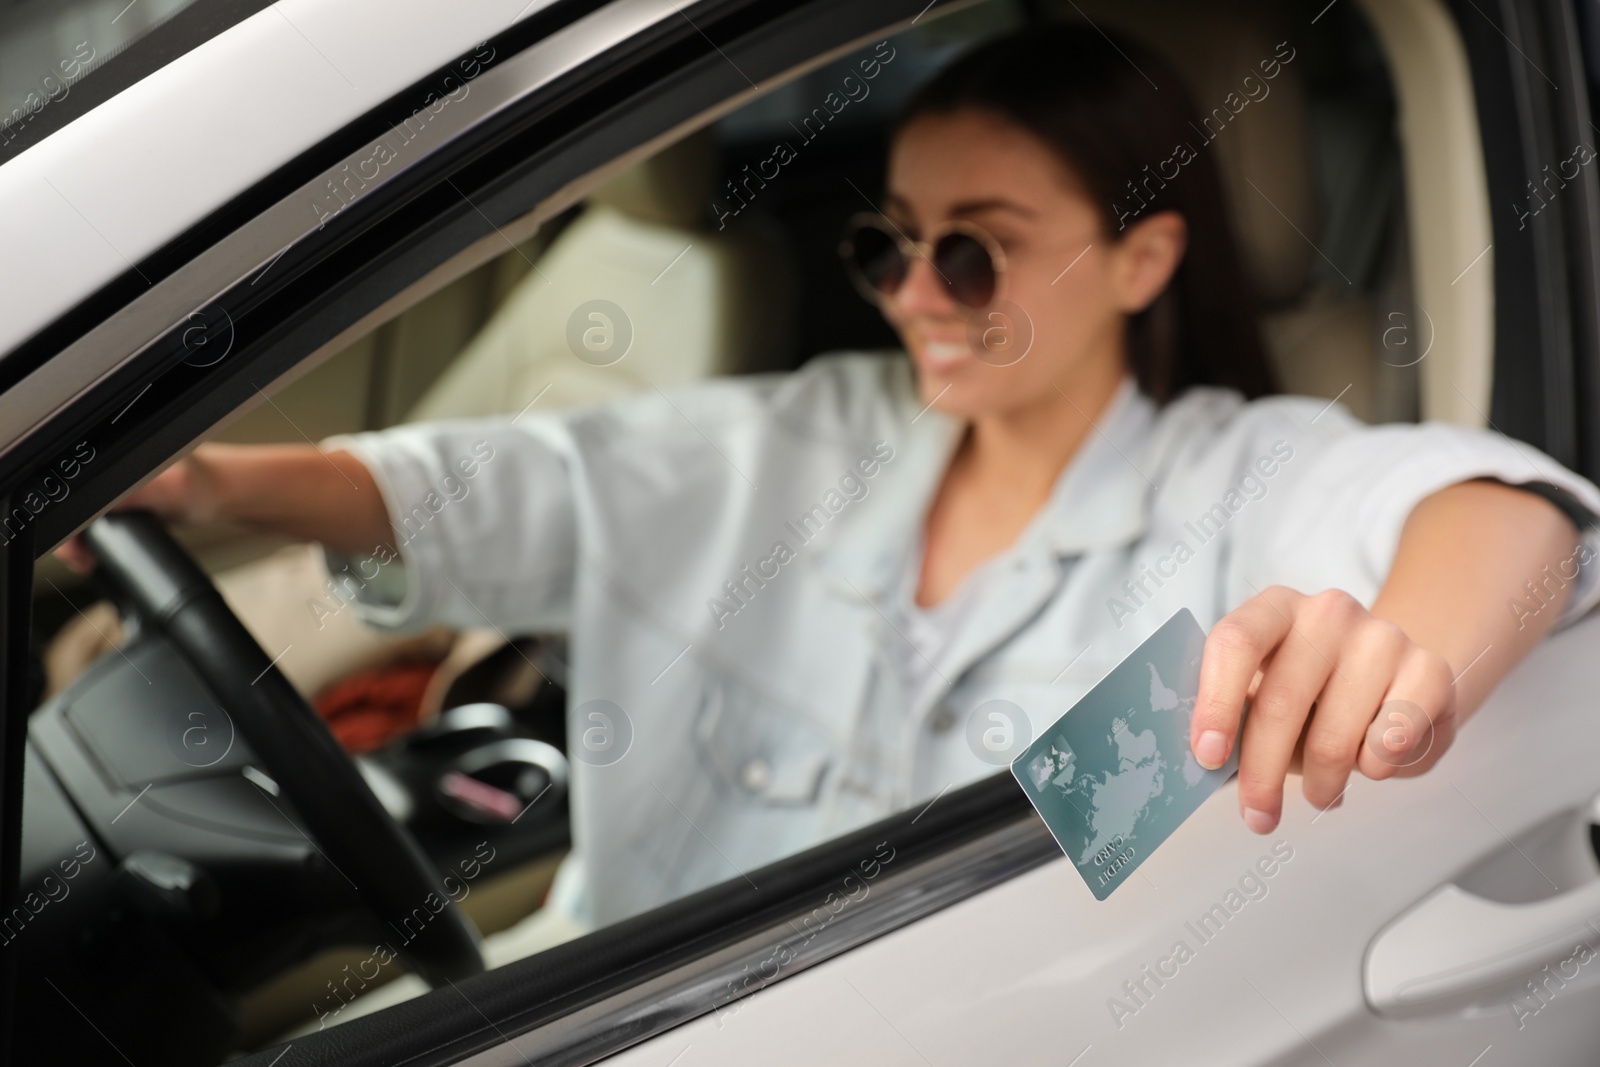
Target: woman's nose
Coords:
[(923, 293)]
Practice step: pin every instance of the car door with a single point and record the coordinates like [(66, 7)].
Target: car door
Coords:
[(1438, 918)]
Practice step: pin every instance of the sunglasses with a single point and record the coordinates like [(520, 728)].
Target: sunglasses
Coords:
[(968, 261)]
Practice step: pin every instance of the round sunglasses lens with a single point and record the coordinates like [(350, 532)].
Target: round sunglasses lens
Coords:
[(877, 257), (967, 267)]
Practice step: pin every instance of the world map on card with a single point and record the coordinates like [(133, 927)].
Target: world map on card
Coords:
[(1115, 775), (1119, 781)]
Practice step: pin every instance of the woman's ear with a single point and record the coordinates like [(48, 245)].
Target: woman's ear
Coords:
[(1145, 259)]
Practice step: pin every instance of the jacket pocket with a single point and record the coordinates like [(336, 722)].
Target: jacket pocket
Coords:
[(759, 749)]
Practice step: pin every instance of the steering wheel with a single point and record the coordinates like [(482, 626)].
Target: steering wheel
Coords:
[(166, 590)]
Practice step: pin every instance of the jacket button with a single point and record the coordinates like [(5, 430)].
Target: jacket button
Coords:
[(943, 720), (756, 775)]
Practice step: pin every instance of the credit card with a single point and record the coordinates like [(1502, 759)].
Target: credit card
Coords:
[(1114, 776)]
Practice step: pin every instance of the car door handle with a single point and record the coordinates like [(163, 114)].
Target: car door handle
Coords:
[(1455, 947)]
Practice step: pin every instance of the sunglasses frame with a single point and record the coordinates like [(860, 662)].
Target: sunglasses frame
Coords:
[(910, 250)]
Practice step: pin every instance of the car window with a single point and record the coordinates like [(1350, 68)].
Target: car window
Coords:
[(46, 50), (626, 335)]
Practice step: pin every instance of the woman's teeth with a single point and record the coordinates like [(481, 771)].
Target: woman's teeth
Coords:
[(941, 352)]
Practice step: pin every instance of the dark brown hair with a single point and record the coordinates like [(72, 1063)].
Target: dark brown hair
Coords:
[(1087, 98)]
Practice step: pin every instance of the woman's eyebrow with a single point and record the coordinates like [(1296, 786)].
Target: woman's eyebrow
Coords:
[(975, 207), (895, 205)]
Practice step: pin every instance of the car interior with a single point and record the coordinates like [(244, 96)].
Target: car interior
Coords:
[(460, 733)]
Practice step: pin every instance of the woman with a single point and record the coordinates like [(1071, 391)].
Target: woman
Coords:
[(793, 599)]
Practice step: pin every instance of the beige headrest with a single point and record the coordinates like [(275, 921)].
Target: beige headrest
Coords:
[(1214, 47), (671, 188)]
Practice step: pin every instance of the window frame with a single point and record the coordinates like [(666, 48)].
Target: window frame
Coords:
[(1546, 359)]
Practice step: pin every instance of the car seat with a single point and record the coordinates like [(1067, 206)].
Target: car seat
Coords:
[(1311, 253)]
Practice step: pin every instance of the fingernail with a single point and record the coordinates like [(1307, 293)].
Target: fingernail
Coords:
[(1211, 750), (1259, 821)]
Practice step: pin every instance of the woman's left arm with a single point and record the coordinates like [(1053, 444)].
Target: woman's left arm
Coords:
[(1334, 687)]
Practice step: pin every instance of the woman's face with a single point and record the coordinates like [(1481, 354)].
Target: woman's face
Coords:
[(1067, 282)]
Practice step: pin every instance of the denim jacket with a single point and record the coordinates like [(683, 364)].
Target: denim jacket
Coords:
[(724, 558)]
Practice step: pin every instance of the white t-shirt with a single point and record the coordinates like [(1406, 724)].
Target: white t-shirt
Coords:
[(931, 633)]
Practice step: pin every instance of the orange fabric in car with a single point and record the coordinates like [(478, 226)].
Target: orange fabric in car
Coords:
[(368, 708)]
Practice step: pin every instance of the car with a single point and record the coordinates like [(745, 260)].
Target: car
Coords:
[(278, 222)]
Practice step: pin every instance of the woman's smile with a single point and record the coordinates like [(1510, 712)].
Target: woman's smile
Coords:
[(942, 354)]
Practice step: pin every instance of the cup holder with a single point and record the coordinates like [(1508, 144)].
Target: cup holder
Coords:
[(465, 724), (495, 784)]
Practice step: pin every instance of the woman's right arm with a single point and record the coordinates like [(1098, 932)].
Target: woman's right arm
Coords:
[(299, 490)]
